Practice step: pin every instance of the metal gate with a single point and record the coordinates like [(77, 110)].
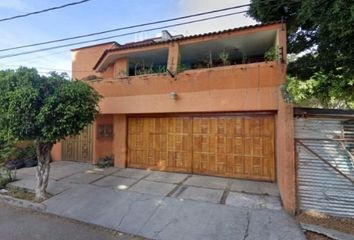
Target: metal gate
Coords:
[(325, 165)]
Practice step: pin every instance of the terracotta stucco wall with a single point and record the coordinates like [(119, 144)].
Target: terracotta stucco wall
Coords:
[(238, 88), (83, 60), (56, 152), (120, 140), (285, 155), (102, 147), (250, 87)]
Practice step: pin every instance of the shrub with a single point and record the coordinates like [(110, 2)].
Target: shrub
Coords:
[(105, 162), (6, 176), (22, 157)]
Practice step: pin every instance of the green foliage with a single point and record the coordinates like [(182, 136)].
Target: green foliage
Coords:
[(92, 78), (6, 151), (105, 162), (224, 56), (140, 68), (321, 90), (44, 109), (182, 67), (320, 33), (6, 176), (272, 54)]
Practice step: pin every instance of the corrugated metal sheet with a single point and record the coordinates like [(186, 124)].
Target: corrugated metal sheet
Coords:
[(320, 187)]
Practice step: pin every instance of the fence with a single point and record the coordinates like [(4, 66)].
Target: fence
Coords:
[(325, 164)]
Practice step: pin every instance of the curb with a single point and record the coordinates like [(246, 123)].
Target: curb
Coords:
[(22, 203)]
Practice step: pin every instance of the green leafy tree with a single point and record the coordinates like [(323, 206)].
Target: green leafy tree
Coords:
[(44, 109), (320, 36)]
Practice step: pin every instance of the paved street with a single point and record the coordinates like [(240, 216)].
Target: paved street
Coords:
[(19, 224)]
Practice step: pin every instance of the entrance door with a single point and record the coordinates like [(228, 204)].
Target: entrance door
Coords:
[(78, 148)]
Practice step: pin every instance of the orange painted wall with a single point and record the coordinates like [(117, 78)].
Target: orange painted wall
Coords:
[(102, 147), (285, 155), (83, 60), (56, 152), (250, 87), (120, 138), (247, 87)]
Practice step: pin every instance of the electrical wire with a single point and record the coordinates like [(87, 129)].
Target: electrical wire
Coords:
[(121, 35), (43, 11), (124, 28)]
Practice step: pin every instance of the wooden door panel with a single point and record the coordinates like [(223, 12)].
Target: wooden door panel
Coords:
[(78, 148), (160, 143), (235, 146), (238, 147)]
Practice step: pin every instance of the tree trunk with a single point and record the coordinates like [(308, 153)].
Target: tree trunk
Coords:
[(42, 170)]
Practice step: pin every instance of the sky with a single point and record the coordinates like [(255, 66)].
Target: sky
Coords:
[(95, 16)]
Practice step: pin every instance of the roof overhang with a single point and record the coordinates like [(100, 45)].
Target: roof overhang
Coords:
[(96, 45), (256, 37)]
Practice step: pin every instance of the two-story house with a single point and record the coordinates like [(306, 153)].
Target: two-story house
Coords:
[(205, 104)]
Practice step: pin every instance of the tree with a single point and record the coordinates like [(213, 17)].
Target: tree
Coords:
[(320, 36), (44, 109)]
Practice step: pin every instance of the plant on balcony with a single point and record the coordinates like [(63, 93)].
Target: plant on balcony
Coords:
[(224, 57), (182, 67), (143, 69), (92, 78), (272, 54)]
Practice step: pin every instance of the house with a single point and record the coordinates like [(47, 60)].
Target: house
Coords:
[(206, 104)]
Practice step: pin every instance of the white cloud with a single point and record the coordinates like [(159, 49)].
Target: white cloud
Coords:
[(186, 7)]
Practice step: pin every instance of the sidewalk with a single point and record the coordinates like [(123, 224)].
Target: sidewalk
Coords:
[(150, 207)]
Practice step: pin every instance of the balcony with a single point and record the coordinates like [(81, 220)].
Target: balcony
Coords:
[(174, 56)]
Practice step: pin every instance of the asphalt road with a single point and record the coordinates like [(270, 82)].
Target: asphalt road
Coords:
[(18, 224)]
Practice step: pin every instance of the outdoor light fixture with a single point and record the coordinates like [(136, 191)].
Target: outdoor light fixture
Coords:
[(173, 95)]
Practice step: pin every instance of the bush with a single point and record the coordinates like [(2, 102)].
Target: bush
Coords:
[(105, 162), (22, 157), (7, 149), (6, 176)]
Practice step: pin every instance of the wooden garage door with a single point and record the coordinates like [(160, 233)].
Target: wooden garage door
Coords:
[(160, 143), (227, 146), (239, 147)]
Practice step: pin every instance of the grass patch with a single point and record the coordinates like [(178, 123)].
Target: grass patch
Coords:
[(21, 194)]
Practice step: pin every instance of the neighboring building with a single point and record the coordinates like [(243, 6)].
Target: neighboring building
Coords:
[(206, 104)]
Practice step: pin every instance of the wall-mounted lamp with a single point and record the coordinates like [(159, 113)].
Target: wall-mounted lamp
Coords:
[(173, 95)]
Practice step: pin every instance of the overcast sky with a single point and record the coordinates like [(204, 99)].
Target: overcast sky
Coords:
[(94, 16)]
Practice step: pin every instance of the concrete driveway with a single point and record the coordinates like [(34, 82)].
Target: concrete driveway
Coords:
[(161, 205)]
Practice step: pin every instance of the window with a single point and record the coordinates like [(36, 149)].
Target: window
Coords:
[(104, 131)]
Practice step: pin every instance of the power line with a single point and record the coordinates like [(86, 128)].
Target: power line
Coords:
[(121, 35), (40, 58), (42, 11), (124, 28)]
